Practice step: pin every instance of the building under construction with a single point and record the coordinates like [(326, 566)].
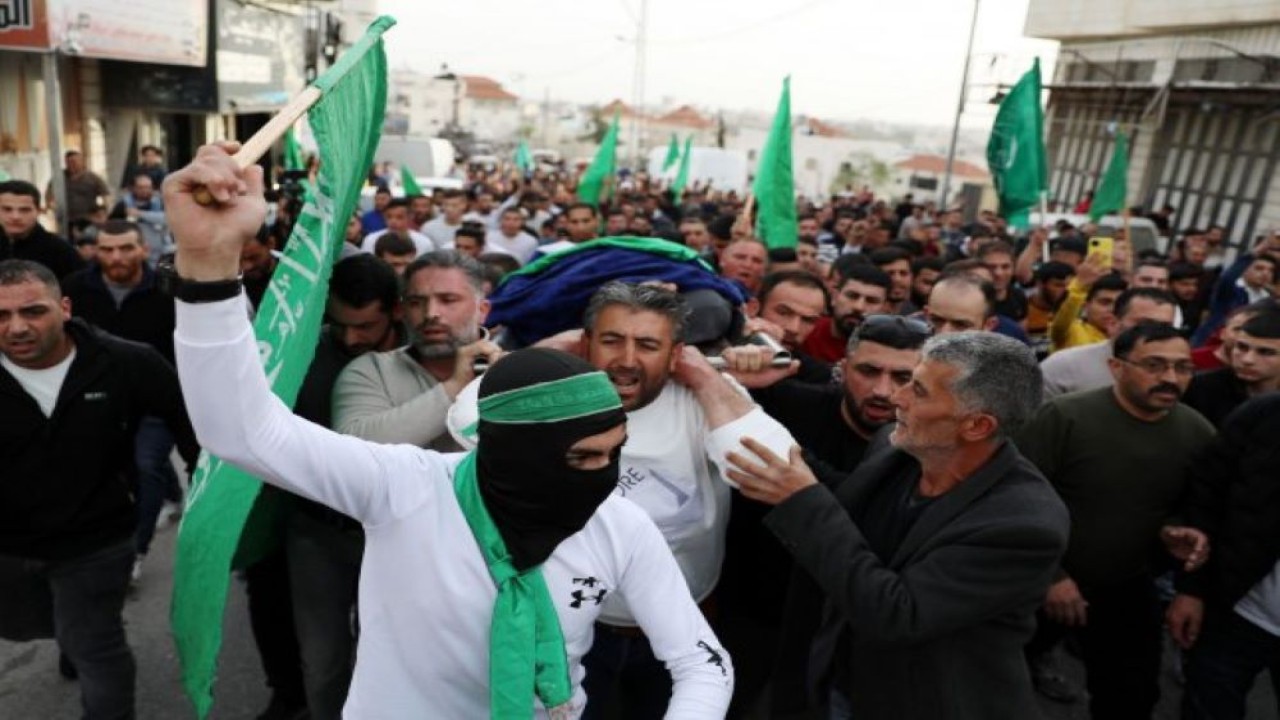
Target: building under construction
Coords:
[(1197, 85)]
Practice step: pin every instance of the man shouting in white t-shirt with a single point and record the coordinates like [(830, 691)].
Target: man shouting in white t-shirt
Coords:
[(483, 573)]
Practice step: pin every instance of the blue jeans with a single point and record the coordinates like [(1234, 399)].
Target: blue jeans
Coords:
[(1223, 665), (324, 575), (80, 602), (624, 665), (156, 478)]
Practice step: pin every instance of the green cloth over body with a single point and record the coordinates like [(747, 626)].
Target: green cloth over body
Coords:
[(1015, 150), (347, 122), (598, 178), (774, 186), (1112, 192), (656, 246)]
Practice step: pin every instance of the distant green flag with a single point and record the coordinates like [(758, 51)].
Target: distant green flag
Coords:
[(673, 153), (347, 122), (682, 175), (293, 159), (524, 158), (1113, 191), (408, 182), (1015, 152), (774, 186), (600, 172)]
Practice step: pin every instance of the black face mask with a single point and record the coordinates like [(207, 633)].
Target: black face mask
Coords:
[(534, 497)]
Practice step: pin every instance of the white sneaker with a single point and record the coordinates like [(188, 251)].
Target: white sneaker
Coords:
[(135, 575)]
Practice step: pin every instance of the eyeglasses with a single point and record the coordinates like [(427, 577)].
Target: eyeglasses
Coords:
[(901, 322), (1160, 366)]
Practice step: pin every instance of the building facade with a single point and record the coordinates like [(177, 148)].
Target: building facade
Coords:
[(1196, 85)]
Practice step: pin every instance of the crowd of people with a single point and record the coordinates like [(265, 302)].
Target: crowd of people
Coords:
[(895, 470)]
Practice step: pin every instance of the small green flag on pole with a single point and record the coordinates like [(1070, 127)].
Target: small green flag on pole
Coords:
[(673, 153), (600, 172), (293, 152), (1015, 151), (1112, 192), (408, 182), (774, 186), (347, 121), (524, 158), (682, 175)]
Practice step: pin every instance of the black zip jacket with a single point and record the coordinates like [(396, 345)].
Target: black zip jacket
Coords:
[(66, 481), (146, 315)]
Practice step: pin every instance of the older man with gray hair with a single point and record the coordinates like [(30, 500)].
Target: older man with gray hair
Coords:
[(933, 555)]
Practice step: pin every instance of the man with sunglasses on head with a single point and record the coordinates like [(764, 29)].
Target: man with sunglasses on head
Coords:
[(1118, 457)]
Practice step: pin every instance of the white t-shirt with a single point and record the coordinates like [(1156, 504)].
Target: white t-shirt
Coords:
[(521, 247), (440, 232), (426, 597), (1262, 605), (672, 466), (420, 241), (43, 385)]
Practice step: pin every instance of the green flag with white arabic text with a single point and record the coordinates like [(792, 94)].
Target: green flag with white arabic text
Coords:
[(293, 152), (1112, 192), (598, 179), (774, 186), (347, 122), (673, 153), (408, 182), (682, 175), (1015, 151)]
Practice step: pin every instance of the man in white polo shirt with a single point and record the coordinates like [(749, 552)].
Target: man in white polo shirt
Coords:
[(484, 573)]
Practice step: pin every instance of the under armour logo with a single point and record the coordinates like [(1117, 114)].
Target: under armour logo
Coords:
[(714, 657), (587, 581), (580, 597)]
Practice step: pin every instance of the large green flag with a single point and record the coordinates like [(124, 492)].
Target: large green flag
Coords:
[(774, 186), (408, 182), (600, 172), (347, 122), (682, 175), (1112, 192), (673, 153), (1015, 152), (293, 152), (524, 158)]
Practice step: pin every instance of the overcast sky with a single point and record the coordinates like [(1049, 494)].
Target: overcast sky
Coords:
[(894, 60)]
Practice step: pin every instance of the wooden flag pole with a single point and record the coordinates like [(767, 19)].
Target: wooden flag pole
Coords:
[(255, 147), (743, 224)]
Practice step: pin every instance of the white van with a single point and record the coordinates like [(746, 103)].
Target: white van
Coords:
[(1143, 234)]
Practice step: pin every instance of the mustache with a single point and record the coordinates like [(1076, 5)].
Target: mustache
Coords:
[(1166, 387)]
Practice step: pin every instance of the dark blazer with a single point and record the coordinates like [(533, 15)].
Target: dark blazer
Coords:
[(938, 631)]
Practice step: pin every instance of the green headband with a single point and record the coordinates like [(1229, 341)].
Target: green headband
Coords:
[(565, 399)]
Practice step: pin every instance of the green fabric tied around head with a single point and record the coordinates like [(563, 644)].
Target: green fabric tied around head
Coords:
[(564, 399), (526, 645)]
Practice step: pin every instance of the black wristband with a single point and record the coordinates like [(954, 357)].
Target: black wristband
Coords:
[(193, 291)]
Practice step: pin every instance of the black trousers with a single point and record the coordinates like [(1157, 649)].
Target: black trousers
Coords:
[(1120, 643), (271, 617)]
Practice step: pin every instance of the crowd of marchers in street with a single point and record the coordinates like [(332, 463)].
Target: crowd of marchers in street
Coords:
[(894, 471)]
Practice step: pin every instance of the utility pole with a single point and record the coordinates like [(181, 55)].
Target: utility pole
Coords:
[(546, 117), (637, 83), (53, 115), (955, 127)]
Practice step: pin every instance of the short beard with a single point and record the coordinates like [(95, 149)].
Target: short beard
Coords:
[(439, 350)]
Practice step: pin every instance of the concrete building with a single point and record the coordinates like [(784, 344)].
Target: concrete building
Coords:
[(1197, 85), (820, 153), (423, 105)]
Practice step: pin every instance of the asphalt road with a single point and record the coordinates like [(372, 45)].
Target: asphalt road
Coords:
[(31, 689)]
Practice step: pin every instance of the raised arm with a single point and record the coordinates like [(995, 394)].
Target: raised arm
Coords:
[(235, 415)]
